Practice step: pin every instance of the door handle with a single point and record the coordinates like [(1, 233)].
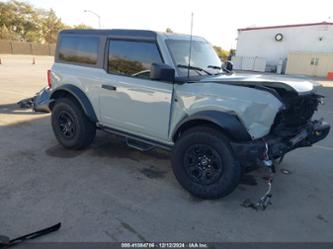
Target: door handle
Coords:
[(108, 87)]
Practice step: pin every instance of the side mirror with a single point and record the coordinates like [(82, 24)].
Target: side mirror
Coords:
[(162, 72), (228, 66)]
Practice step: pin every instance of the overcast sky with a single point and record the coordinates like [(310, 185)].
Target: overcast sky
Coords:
[(216, 20)]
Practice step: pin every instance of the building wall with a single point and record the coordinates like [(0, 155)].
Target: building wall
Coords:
[(262, 43), (312, 64)]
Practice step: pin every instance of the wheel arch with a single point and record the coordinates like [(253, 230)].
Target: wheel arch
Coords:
[(76, 93), (228, 123)]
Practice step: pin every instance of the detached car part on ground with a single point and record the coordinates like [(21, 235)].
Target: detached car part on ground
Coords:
[(6, 242), (215, 123), (39, 103)]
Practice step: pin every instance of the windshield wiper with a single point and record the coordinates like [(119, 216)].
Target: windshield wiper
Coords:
[(193, 68), (219, 68), (214, 67)]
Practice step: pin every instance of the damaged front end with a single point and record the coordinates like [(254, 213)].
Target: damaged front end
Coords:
[(292, 128)]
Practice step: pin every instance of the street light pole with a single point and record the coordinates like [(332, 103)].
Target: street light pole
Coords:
[(95, 14)]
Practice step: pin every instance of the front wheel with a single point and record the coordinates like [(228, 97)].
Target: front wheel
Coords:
[(71, 126), (203, 163)]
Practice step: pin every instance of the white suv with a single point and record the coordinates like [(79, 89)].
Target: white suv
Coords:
[(148, 87)]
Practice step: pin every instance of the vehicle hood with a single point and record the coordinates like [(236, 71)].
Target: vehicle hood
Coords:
[(297, 84)]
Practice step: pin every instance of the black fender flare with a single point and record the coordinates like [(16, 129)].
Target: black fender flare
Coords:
[(79, 95), (227, 121)]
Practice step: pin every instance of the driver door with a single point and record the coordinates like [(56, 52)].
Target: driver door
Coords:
[(129, 100)]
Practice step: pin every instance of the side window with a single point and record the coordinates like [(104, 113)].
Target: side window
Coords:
[(83, 50), (132, 58)]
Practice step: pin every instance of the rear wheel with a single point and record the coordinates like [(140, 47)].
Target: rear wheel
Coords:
[(71, 126), (203, 163)]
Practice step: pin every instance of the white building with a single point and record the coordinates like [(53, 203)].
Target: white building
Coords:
[(268, 48)]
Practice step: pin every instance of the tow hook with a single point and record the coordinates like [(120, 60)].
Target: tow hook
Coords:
[(267, 162), (265, 200)]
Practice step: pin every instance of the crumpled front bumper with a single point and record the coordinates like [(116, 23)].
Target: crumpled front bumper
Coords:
[(255, 151)]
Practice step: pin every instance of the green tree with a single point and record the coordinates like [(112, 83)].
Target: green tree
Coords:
[(7, 19), (33, 36), (26, 19), (7, 34), (22, 21), (223, 54), (168, 30), (51, 25), (82, 26)]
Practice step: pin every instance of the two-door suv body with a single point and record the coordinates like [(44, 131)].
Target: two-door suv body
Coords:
[(172, 92)]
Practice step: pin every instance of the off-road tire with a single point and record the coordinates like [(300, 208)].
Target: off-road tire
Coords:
[(84, 130), (225, 182)]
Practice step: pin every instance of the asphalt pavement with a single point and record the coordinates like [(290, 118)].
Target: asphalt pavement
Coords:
[(110, 192)]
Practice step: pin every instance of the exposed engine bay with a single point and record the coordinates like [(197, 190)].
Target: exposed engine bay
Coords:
[(293, 128)]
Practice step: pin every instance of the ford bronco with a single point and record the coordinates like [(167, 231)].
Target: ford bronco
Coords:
[(169, 91)]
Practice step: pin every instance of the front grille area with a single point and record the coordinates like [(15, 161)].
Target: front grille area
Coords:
[(299, 110)]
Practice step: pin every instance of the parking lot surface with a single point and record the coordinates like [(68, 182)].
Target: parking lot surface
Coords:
[(110, 192)]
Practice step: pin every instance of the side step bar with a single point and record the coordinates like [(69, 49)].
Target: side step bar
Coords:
[(137, 142)]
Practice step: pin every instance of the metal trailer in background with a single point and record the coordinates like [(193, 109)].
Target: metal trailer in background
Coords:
[(245, 63)]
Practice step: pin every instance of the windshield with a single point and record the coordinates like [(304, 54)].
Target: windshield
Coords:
[(203, 56)]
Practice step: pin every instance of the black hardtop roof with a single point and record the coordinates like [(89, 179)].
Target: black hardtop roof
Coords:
[(113, 33)]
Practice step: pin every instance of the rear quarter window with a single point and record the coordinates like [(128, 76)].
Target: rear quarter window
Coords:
[(81, 50)]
